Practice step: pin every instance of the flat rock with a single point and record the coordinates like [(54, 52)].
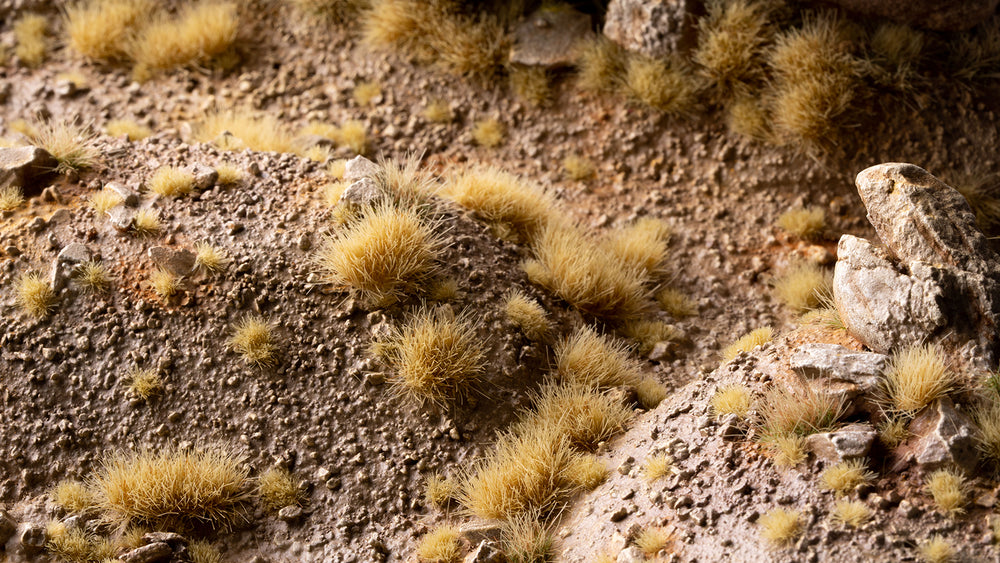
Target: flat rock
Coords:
[(486, 552), (364, 192), (358, 168), (938, 15), (129, 196), (940, 436), (122, 217), (26, 168), (69, 258), (179, 262), (152, 553), (477, 532), (656, 28), (853, 441), (833, 361), (548, 37), (204, 176)]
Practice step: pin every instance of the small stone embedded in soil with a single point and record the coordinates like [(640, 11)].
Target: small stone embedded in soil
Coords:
[(853, 441), (290, 514), (204, 176), (941, 436), (71, 256), (358, 168), (486, 552), (25, 167), (179, 262), (129, 196), (32, 538), (152, 553)]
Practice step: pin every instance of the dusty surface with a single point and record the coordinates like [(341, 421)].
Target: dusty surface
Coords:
[(64, 403)]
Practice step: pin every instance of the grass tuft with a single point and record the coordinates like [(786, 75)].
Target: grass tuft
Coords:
[(147, 223), (203, 552), (73, 145), (145, 383), (595, 361), (170, 181), (731, 41), (577, 167), (30, 33), (647, 334), (278, 489), (229, 174), (354, 135), (675, 303), (802, 286), (34, 296), (850, 513), (489, 133), (236, 130), (527, 315), (524, 539), (601, 64), (800, 412), (642, 244), (893, 431), (11, 197), (253, 337), (748, 116), (652, 541), (844, 477), (666, 86), (69, 544), (210, 258), (786, 450), (804, 223), (916, 376), (127, 128), (73, 496), (530, 83), (938, 550), (164, 284), (949, 490), (732, 399), (438, 111), (780, 526), (500, 197), (442, 545), (584, 415), (656, 466), (201, 31), (587, 472), (365, 93), (748, 342), (650, 392), (104, 200), (440, 491), (103, 30), (987, 418)]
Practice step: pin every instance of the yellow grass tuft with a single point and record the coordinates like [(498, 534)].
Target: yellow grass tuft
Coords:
[(732, 399), (435, 356), (386, 253), (440, 491), (500, 197), (235, 130), (642, 244), (253, 337), (665, 85), (174, 489), (438, 111), (73, 496), (144, 383), (73, 145), (104, 29), (652, 541), (748, 116), (577, 167), (587, 472), (11, 197), (525, 539), (949, 490), (353, 135), (601, 64), (893, 431), (365, 93), (801, 411), (802, 286), (916, 376), (584, 415), (203, 552), (850, 513), (164, 283), (278, 489), (69, 544), (844, 477), (650, 392), (147, 223), (229, 174), (803, 223), (170, 181), (127, 128), (442, 545), (656, 466), (336, 168), (527, 315), (318, 153), (201, 31), (675, 303), (489, 133), (647, 334), (210, 258), (748, 342), (530, 83), (786, 450), (405, 180), (30, 34), (731, 42), (596, 361), (987, 417), (34, 296), (780, 526), (104, 200), (938, 550)]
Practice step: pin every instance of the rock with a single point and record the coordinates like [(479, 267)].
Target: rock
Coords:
[(7, 527), (179, 262), (844, 392), (358, 168), (662, 351), (940, 436), (152, 553), (486, 552), (938, 15), (51, 195), (26, 167), (169, 538), (129, 196), (32, 538), (290, 514), (548, 36), (630, 554), (364, 192), (939, 281), (853, 441), (69, 258), (833, 361), (122, 217), (204, 176), (478, 532), (654, 27)]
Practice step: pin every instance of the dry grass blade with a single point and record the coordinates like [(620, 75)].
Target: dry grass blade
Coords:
[(103, 29)]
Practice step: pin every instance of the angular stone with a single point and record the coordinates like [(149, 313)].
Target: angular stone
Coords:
[(7, 527), (153, 553), (853, 441), (179, 262), (486, 552), (816, 360), (657, 28), (364, 192), (358, 168), (69, 258), (290, 514), (26, 168), (32, 538), (129, 196), (631, 554), (941, 436), (172, 539), (122, 217), (204, 176), (477, 532), (548, 37), (938, 15)]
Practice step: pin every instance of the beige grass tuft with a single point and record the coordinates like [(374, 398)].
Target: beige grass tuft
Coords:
[(73, 145), (732, 399), (103, 30), (229, 174), (641, 244), (103, 200), (844, 477), (147, 223), (365, 93), (667, 86), (170, 181), (850, 513), (235, 130), (527, 315), (780, 526), (601, 64), (73, 496), (938, 550), (440, 491), (11, 197), (145, 383), (676, 303), (801, 411), (652, 541), (748, 342), (253, 338), (278, 489), (949, 490), (164, 284), (647, 334), (804, 223), (731, 43), (500, 197), (34, 296), (201, 31), (802, 286), (489, 133), (584, 415), (577, 167), (596, 361), (127, 128), (650, 392), (656, 466), (787, 450), (203, 552), (916, 376), (30, 33), (442, 545), (438, 111), (210, 258), (525, 539)]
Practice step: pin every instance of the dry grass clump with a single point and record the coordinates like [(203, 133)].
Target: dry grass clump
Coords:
[(676, 303), (436, 356), (164, 284), (527, 315), (587, 472), (802, 286), (851, 513), (440, 491), (405, 180), (845, 476), (748, 116), (203, 552), (577, 167), (975, 55), (11, 197), (147, 222), (653, 540), (648, 333), (144, 383), (949, 490), (277, 489), (236, 130), (642, 244), (893, 431), (174, 489), (69, 544), (587, 275), (385, 253), (656, 466), (253, 337), (30, 34), (595, 361), (210, 258), (442, 545), (987, 417), (73, 496), (489, 133), (748, 342), (804, 223), (731, 41), (127, 128), (229, 175), (938, 550), (354, 135), (318, 153), (780, 526), (665, 85), (72, 144), (982, 192), (801, 411), (500, 197), (170, 181), (584, 415), (530, 83), (34, 296), (201, 31), (732, 399), (600, 65), (786, 450), (650, 392), (524, 539), (104, 29), (443, 289), (365, 93), (897, 43), (916, 376), (104, 200), (438, 111)]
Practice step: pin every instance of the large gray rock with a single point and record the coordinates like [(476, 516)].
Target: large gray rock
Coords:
[(940, 436), (853, 441), (939, 15), (359, 168), (548, 37), (654, 27), (939, 281), (816, 360), (26, 167)]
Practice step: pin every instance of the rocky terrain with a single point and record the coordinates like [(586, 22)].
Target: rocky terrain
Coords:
[(688, 478)]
